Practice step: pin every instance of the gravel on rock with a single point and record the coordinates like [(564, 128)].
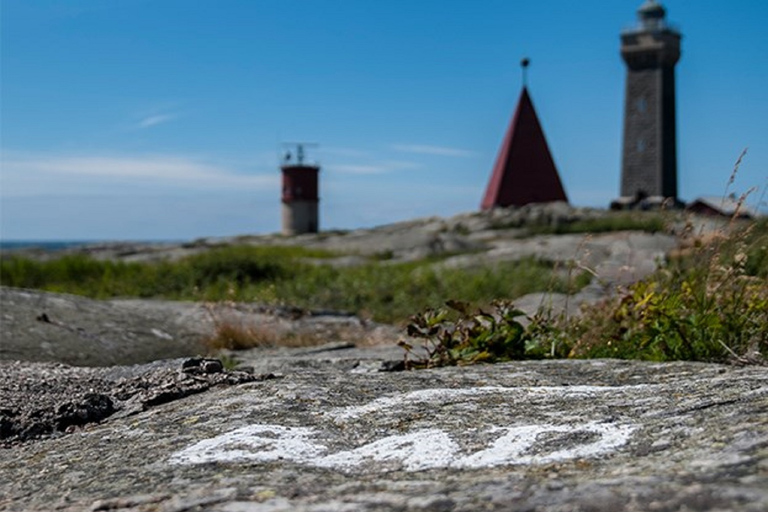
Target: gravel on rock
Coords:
[(48, 399)]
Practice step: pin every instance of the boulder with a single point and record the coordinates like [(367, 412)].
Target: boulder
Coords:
[(332, 432), (55, 327), (40, 326)]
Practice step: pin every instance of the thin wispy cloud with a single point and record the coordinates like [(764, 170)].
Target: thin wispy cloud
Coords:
[(375, 168), (360, 169), (421, 149), (155, 120), (35, 174), (156, 114)]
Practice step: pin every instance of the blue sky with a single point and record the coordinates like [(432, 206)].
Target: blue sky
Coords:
[(162, 119)]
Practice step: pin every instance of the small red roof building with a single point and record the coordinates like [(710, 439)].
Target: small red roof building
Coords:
[(524, 172)]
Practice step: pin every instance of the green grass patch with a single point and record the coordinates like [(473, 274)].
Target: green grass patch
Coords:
[(637, 221), (281, 275), (392, 292), (210, 275)]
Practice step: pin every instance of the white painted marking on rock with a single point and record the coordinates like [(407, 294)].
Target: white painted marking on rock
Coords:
[(416, 451), (413, 451), (254, 443), (442, 395), (511, 448), (422, 449)]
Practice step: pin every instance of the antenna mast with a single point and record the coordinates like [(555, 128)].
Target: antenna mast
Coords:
[(299, 148), (524, 64)]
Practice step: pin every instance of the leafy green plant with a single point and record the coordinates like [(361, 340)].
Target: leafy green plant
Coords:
[(457, 335), (692, 314), (710, 303)]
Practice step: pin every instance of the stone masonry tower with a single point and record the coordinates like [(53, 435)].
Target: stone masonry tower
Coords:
[(649, 156)]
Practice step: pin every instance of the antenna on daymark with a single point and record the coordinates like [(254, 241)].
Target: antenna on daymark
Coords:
[(524, 64)]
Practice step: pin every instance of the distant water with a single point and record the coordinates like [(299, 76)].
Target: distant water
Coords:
[(46, 245), (57, 245)]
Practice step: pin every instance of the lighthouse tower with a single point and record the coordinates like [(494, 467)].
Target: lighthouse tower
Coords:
[(649, 156), (300, 193)]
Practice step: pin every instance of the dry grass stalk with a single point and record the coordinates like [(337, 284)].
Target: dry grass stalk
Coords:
[(233, 335), (232, 331)]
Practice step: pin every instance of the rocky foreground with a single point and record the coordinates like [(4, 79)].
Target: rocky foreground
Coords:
[(136, 421), (329, 431)]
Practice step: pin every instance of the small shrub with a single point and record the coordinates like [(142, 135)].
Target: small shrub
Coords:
[(461, 229), (679, 316), (458, 336), (384, 255)]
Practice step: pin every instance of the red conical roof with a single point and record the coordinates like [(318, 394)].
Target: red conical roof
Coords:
[(524, 171)]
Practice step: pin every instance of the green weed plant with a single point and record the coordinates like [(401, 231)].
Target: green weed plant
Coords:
[(709, 305), (458, 335)]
